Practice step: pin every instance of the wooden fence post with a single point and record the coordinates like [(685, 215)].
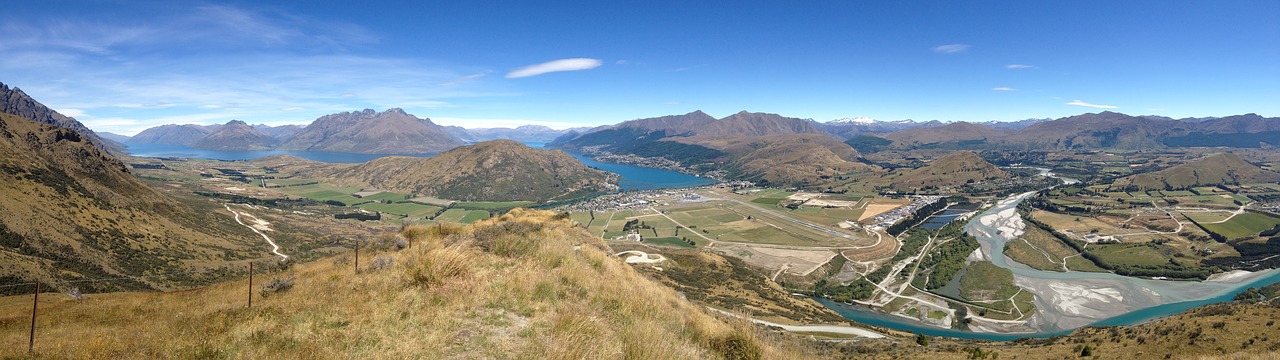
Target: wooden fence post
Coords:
[(250, 284), (357, 256), (35, 305)]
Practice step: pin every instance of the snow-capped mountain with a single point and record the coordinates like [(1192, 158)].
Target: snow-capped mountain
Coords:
[(856, 120)]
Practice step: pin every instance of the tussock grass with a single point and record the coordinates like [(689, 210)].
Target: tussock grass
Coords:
[(523, 285)]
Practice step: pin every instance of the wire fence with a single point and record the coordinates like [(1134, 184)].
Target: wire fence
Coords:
[(61, 312)]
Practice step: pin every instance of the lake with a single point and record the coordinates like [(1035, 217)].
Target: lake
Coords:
[(179, 151), (633, 177)]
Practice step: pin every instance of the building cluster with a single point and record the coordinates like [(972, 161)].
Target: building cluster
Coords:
[(633, 200), (891, 217)]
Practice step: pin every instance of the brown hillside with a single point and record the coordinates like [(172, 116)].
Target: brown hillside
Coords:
[(957, 131), (527, 285), (1095, 131), (369, 132), (953, 169), (72, 211), (673, 124), (238, 136), (756, 124), (171, 134), (16, 102), (792, 159), (1216, 169), (498, 170)]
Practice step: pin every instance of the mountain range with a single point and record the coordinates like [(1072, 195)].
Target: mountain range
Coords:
[(1215, 169), (15, 101), (74, 211), (495, 170)]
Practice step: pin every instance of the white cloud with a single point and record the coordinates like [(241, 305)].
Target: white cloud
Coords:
[(1019, 66), (292, 108), (1004, 88), (950, 48), (462, 79), (72, 112), (1082, 103), (573, 64)]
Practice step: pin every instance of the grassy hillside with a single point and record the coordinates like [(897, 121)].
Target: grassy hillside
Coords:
[(1216, 169), (953, 132), (498, 170), (526, 285), (784, 160), (72, 211), (953, 169)]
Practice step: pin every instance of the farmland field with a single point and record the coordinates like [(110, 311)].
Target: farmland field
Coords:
[(404, 209), (493, 205), (1135, 254), (462, 216), (1243, 225)]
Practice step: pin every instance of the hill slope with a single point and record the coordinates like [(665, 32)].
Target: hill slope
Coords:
[(756, 124), (14, 101), (498, 170), (1216, 169), (953, 132), (236, 135), (172, 134), (788, 159), (368, 132), (953, 169), (525, 285), (1095, 131), (73, 211)]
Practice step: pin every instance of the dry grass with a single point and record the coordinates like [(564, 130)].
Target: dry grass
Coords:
[(549, 292)]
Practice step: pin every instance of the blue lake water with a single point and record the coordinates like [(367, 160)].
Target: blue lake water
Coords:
[(643, 178), (179, 151), (633, 177)]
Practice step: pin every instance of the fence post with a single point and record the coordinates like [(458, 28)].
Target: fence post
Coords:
[(35, 304), (357, 256), (251, 284)]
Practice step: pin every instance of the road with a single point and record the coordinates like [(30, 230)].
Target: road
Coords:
[(275, 249)]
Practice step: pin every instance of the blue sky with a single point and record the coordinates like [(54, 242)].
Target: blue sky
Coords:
[(126, 66)]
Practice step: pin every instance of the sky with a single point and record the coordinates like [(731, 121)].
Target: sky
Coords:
[(123, 66)]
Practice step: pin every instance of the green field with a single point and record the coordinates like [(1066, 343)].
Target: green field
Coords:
[(492, 205), (1243, 225), (287, 182), (1134, 254), (462, 216), (403, 209), (983, 281), (388, 196), (668, 241), (321, 192)]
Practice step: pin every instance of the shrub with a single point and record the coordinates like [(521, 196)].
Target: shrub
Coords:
[(439, 265), (508, 238), (382, 263), (276, 285)]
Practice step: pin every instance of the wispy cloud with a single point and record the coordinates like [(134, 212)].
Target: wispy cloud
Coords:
[(573, 64), (1019, 66), (1004, 88), (951, 48), (1082, 103), (211, 64), (462, 79)]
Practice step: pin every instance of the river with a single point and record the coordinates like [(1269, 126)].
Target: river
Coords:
[(1069, 300)]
